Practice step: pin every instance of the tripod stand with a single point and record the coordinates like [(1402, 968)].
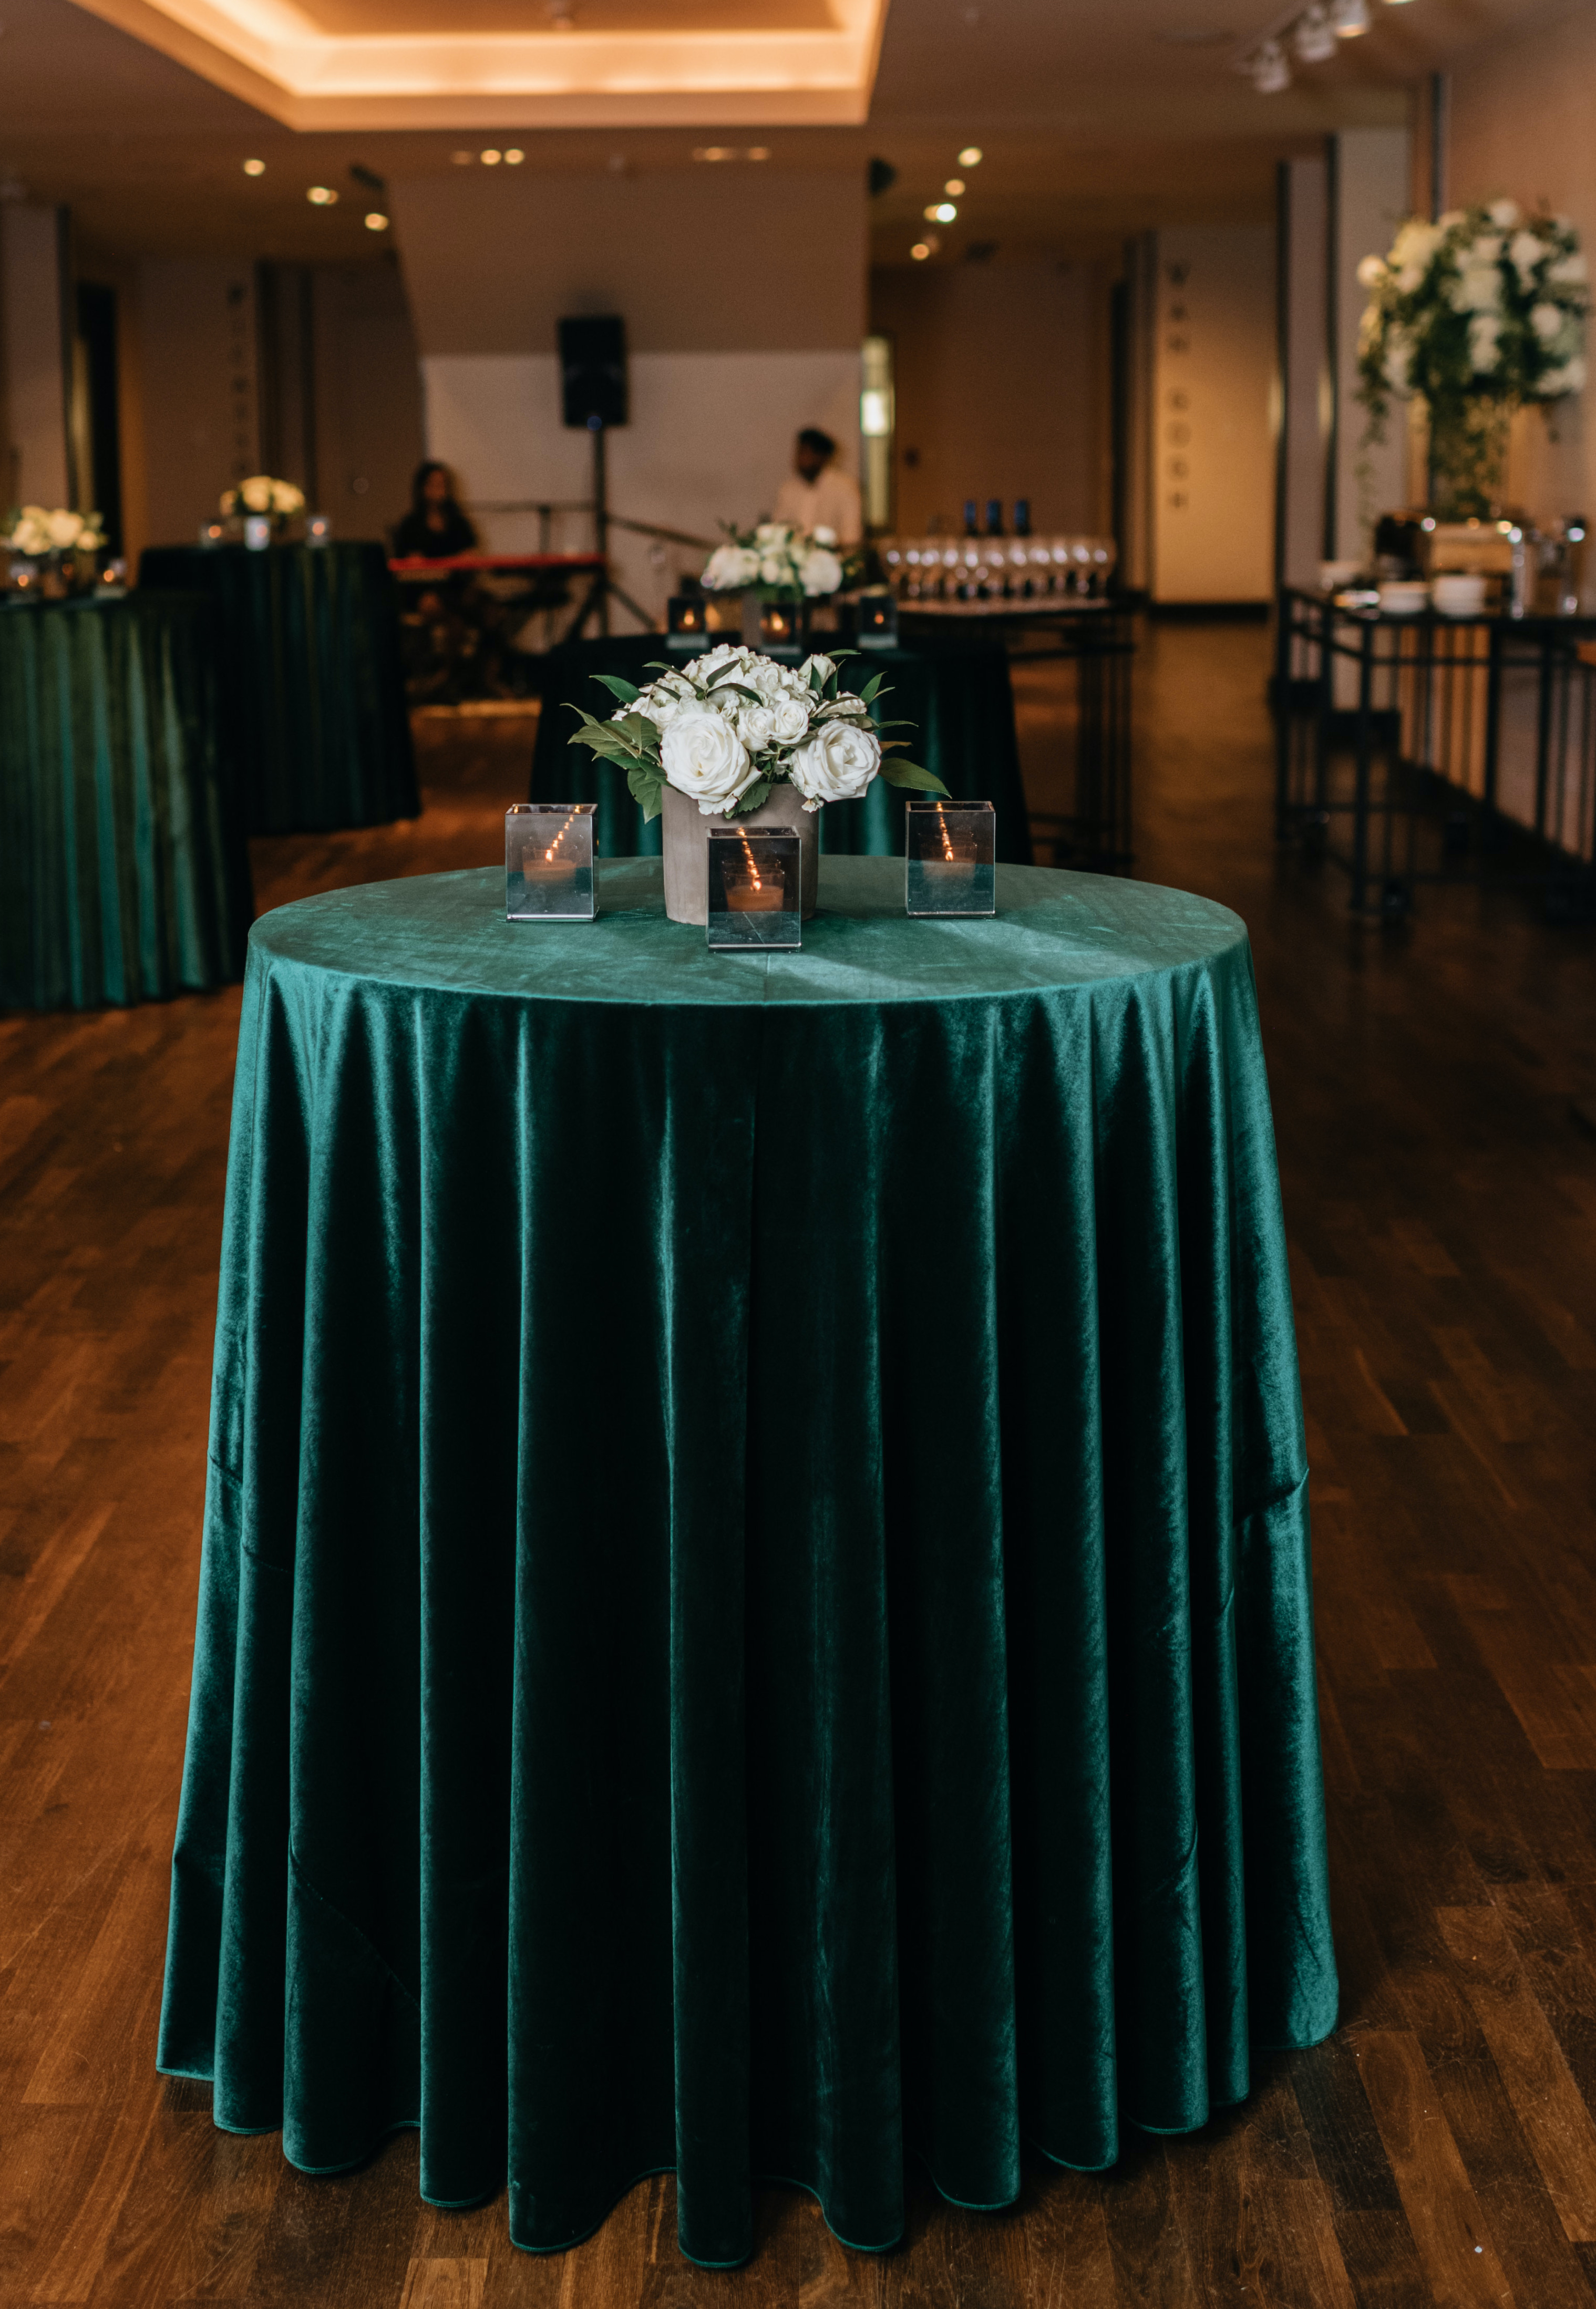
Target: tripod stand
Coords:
[(603, 585)]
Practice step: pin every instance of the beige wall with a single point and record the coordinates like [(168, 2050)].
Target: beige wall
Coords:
[(1001, 377), (197, 364), (30, 357), (743, 298), (1213, 452), (1522, 124)]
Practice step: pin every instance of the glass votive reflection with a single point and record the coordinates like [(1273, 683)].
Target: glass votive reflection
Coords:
[(755, 896), (878, 621), (548, 862), (213, 533), (951, 850), (319, 530)]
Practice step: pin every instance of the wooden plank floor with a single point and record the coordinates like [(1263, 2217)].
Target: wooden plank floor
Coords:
[(1442, 1206)]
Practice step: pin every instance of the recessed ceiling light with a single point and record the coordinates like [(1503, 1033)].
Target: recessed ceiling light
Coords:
[(970, 158), (758, 152), (376, 221), (941, 212), (715, 152), (462, 159), (255, 167), (920, 251), (954, 187), (491, 159), (514, 156), (321, 196), (1351, 18)]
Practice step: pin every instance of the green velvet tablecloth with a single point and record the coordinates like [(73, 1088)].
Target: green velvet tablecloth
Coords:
[(755, 1612), (315, 725), (123, 871), (959, 699)]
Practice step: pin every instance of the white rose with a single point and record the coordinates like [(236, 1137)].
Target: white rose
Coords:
[(656, 706), (64, 529), (1570, 269), (1569, 378), (789, 720), (772, 533), (1546, 320), (1526, 253), (724, 568), (1505, 214), (822, 535), (756, 726), (1479, 290), (286, 499), (774, 570), (1483, 332), (821, 664), (1371, 272), (256, 492), (835, 765), (703, 756), (823, 572)]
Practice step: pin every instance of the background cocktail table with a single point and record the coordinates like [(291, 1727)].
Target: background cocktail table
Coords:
[(756, 1611)]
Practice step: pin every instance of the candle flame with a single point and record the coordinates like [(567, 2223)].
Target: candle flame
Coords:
[(748, 853), (559, 837), (942, 830)]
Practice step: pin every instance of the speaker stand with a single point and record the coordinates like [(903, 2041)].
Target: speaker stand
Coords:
[(597, 604)]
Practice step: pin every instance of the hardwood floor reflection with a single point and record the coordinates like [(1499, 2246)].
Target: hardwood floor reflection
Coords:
[(1441, 1202)]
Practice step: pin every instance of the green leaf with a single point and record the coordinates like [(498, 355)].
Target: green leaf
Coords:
[(756, 793), (898, 772), (645, 789), (618, 686), (872, 687)]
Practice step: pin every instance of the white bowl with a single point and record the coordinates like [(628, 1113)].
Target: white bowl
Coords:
[(1459, 593), (1404, 597)]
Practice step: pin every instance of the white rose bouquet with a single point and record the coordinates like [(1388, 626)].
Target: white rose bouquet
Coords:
[(728, 727), (261, 493), (779, 562), (1476, 313), (38, 530)]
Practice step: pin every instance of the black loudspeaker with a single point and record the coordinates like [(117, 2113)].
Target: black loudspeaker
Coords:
[(592, 371)]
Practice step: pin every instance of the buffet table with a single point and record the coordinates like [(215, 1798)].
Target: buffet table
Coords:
[(755, 1612), (124, 872), (315, 727), (959, 701)]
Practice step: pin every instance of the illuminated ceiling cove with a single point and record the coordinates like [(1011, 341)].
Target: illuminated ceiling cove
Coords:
[(466, 64)]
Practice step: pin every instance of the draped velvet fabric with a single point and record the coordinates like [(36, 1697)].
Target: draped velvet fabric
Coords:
[(958, 697), (124, 870), (314, 726), (755, 1614)]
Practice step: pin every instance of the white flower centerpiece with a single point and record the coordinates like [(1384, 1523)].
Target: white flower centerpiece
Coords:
[(733, 735), (779, 562), (263, 494), (1477, 314), (58, 541)]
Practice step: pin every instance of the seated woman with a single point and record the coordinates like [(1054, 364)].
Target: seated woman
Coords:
[(435, 528)]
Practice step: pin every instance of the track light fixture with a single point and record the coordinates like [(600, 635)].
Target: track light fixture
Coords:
[(1270, 72), (1350, 18), (1314, 33), (1315, 37)]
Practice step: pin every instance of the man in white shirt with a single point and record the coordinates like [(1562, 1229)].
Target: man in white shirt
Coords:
[(817, 495)]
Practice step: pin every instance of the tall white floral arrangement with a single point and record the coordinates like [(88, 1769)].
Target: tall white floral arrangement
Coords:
[(38, 530), (1477, 314)]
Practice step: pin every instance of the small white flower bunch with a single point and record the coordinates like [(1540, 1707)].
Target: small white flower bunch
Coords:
[(262, 493), (1483, 302), (778, 558), (728, 727), (38, 530)]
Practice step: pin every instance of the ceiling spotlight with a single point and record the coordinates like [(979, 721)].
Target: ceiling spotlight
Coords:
[(1314, 37), (714, 151), (462, 159), (562, 15), (321, 196), (1350, 17), (489, 159), (1270, 72), (940, 212), (954, 187), (376, 221), (920, 251), (970, 158), (758, 152), (255, 167), (514, 156)]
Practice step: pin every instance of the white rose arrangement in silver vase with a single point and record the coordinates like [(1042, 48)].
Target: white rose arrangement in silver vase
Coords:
[(779, 562), (262, 493), (744, 737)]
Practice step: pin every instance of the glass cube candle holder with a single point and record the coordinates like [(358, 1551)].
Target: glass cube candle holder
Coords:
[(952, 852), (687, 624), (781, 628), (319, 530), (548, 862), (754, 899), (257, 532), (878, 621)]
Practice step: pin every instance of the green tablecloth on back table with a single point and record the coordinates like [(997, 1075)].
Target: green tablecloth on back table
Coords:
[(315, 725), (755, 1609), (959, 700), (123, 871)]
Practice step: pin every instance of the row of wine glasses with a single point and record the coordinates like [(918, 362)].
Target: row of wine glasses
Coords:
[(996, 568)]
